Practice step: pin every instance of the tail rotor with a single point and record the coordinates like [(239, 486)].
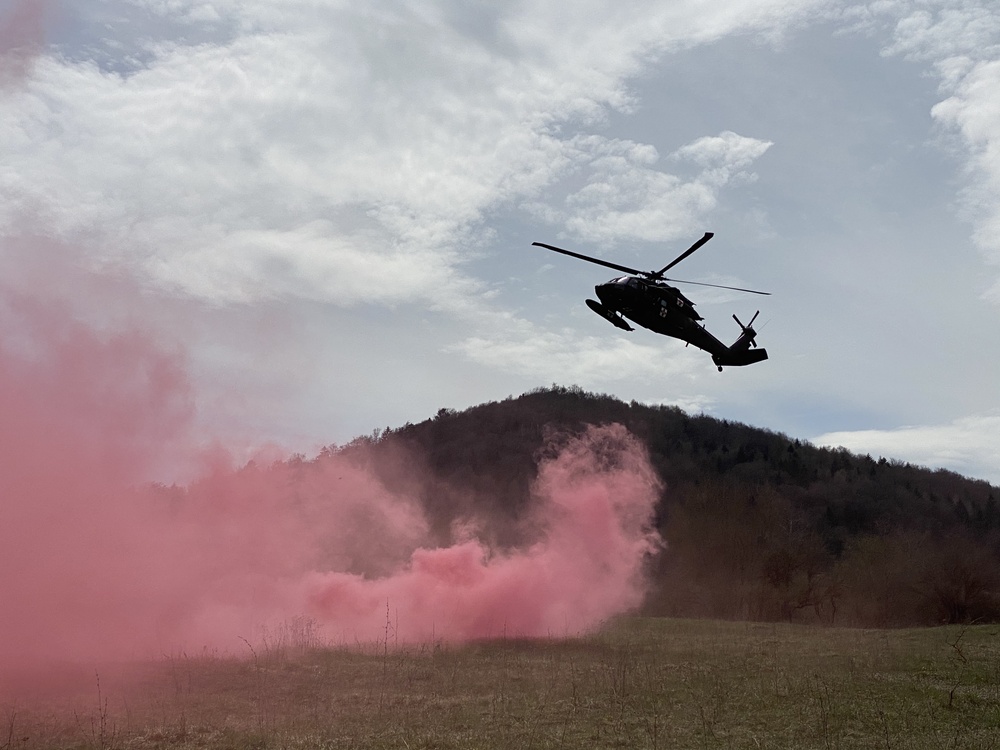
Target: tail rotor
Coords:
[(749, 334)]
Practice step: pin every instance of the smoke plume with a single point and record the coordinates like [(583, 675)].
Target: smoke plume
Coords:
[(97, 562), (22, 33)]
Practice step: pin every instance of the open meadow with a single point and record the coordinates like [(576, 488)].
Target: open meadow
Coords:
[(640, 683)]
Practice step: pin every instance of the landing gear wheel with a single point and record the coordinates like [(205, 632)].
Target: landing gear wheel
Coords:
[(720, 368)]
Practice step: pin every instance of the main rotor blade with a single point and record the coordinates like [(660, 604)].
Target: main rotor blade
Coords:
[(718, 286), (598, 261), (686, 253)]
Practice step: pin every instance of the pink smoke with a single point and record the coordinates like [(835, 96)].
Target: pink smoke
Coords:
[(22, 32), (96, 562), (587, 567)]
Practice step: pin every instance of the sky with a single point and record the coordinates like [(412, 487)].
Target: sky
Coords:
[(324, 210)]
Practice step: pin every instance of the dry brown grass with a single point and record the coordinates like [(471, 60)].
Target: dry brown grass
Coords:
[(639, 684)]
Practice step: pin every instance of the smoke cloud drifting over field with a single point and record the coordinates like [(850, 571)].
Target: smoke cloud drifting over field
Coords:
[(96, 562)]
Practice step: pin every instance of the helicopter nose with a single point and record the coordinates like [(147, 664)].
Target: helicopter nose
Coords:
[(604, 292)]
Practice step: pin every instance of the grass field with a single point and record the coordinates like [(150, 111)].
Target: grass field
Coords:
[(642, 683)]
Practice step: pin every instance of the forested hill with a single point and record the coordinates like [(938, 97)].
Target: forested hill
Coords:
[(758, 524)]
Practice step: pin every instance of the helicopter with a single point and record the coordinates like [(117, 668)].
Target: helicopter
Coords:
[(645, 298)]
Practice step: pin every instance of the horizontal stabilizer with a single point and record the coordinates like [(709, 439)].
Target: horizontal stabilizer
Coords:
[(731, 358)]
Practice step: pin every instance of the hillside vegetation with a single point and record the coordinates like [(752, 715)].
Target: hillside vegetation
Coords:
[(758, 525)]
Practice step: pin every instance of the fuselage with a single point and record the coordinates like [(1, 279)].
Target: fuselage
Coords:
[(658, 307)]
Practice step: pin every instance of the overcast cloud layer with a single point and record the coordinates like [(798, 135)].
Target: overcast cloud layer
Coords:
[(329, 206)]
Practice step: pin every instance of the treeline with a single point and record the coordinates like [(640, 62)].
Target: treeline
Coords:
[(758, 525)]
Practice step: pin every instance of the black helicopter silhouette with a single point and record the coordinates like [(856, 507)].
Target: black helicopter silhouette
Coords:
[(645, 298)]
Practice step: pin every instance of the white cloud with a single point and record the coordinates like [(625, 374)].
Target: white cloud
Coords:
[(301, 144), (591, 362), (943, 30), (961, 40), (973, 110), (969, 446), (694, 404), (627, 198), (568, 356), (207, 168), (727, 153)]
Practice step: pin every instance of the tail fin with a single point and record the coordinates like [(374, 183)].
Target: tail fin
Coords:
[(739, 353)]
